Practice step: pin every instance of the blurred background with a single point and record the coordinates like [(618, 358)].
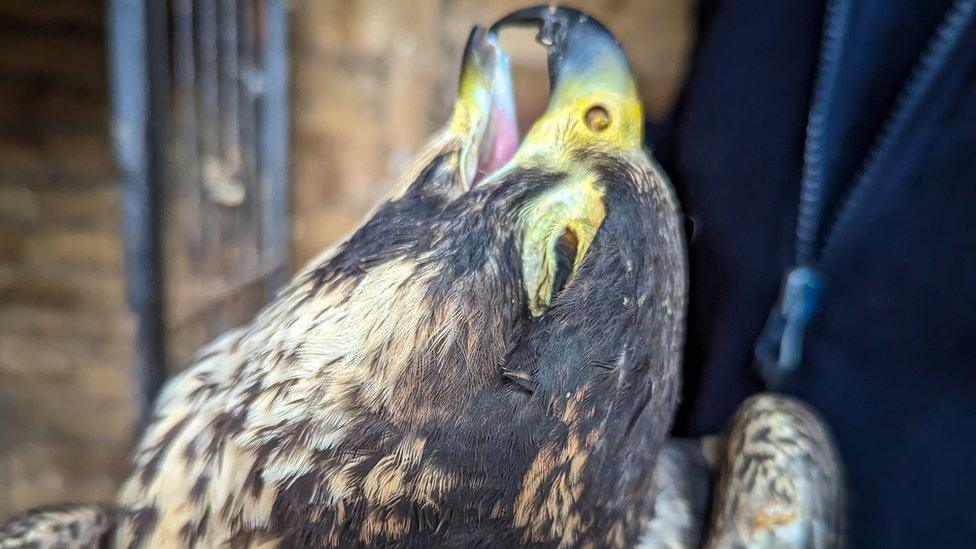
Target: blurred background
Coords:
[(165, 165)]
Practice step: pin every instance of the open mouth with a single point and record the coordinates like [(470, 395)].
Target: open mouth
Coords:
[(583, 57), (499, 136)]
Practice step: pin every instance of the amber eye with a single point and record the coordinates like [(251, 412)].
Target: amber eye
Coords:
[(597, 118)]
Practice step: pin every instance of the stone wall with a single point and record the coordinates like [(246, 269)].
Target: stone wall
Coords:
[(65, 406)]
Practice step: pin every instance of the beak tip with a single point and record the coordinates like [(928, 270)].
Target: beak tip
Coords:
[(580, 47), (475, 50)]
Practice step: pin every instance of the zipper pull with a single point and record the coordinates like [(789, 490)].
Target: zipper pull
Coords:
[(780, 345)]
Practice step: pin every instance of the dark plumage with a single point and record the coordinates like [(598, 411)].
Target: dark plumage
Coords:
[(491, 359), (426, 383)]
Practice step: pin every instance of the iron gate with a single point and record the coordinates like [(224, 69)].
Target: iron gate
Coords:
[(200, 129)]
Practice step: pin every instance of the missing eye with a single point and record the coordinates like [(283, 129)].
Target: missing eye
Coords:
[(560, 225), (597, 118), (566, 248)]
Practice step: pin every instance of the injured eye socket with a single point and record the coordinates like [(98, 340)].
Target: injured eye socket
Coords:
[(559, 226), (566, 248)]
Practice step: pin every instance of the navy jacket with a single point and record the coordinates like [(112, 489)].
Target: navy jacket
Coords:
[(889, 358)]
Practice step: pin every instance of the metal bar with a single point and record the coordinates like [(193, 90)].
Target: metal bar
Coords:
[(239, 218), (188, 198), (137, 47), (274, 135), (209, 137), (229, 70), (248, 89)]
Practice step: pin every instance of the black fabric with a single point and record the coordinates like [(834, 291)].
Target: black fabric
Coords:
[(891, 358)]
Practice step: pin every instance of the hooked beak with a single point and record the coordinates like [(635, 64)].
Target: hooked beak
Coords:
[(584, 57)]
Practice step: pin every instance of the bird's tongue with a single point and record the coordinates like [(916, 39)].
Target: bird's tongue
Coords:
[(501, 137), (504, 140)]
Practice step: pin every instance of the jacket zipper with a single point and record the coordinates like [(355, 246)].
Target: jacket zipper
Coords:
[(780, 345)]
